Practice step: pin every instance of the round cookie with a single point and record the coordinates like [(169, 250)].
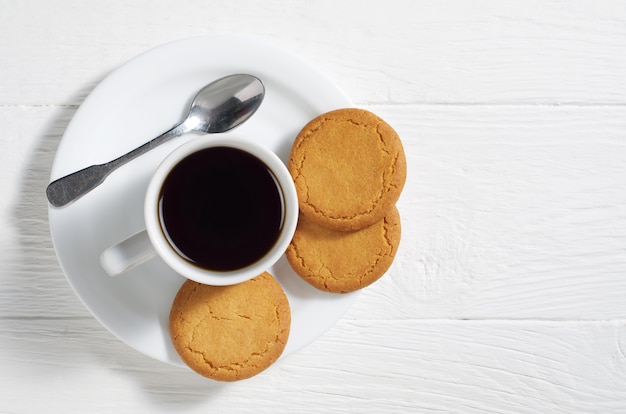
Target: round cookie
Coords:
[(349, 168), (342, 262), (230, 333)]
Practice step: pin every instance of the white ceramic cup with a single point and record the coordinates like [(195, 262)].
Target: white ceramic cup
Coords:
[(153, 241)]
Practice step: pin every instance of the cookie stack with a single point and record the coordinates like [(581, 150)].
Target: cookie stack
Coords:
[(349, 169)]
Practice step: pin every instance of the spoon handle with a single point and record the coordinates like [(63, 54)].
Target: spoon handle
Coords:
[(65, 190)]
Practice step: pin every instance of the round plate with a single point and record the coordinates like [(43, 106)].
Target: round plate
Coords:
[(137, 102)]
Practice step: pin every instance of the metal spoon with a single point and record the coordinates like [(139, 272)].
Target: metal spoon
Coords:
[(218, 107)]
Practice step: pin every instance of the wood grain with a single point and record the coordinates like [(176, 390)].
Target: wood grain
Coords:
[(404, 52), (511, 212), (470, 367)]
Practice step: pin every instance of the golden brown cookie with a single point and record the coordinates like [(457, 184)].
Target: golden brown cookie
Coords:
[(339, 261), (230, 333), (349, 168)]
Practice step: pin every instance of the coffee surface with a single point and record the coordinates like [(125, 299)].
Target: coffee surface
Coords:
[(221, 208)]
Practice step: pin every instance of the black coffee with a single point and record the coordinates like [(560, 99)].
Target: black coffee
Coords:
[(221, 208)]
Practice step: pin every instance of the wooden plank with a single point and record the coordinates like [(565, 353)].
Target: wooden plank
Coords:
[(443, 52), (32, 284), (508, 212), (73, 365)]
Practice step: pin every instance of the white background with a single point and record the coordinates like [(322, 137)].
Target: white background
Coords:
[(508, 294)]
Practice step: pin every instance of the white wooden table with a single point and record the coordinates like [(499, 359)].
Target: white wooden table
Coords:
[(508, 294)]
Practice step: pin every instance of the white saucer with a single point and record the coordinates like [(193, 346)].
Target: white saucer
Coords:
[(137, 102)]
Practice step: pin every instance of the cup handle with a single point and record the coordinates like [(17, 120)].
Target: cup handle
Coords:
[(128, 254)]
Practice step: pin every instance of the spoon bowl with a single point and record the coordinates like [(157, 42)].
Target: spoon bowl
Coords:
[(218, 107), (225, 104)]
